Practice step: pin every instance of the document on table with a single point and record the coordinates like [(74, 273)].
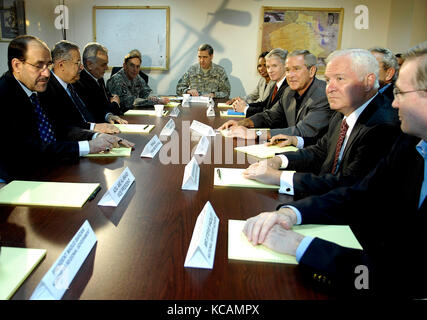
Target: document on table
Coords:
[(16, 264), (224, 105), (239, 248), (115, 152), (233, 177), (172, 104), (263, 151), (231, 113), (135, 128), (55, 194), (143, 113)]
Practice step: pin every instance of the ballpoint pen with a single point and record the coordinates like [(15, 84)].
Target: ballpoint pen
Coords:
[(145, 127), (93, 195), (219, 173)]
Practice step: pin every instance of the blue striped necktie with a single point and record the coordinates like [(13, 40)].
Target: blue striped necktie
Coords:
[(45, 127)]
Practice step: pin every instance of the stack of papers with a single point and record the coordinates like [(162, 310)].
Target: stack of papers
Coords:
[(55, 194), (135, 128), (233, 177), (239, 248), (224, 105), (232, 113), (143, 113), (16, 264), (115, 152), (263, 151)]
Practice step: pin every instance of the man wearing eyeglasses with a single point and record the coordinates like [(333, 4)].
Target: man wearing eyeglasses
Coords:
[(37, 139), (387, 210)]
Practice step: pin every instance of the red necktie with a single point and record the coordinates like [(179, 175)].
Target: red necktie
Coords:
[(343, 131), (274, 93)]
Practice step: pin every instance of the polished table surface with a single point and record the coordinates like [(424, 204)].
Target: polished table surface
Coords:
[(142, 243)]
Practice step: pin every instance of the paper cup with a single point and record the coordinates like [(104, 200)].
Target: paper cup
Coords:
[(159, 110)]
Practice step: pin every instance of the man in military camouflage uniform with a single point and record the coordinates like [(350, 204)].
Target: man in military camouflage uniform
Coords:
[(132, 90), (205, 78)]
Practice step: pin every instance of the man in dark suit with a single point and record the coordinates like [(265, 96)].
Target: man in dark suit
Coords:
[(91, 86), (39, 140), (387, 210), (275, 61), (60, 91), (303, 109), (339, 158)]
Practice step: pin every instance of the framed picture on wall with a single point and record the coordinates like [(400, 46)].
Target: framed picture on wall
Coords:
[(12, 19), (318, 30)]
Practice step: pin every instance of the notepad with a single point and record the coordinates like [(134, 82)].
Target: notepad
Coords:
[(16, 264), (263, 151), (115, 152), (224, 105), (232, 114), (233, 177), (143, 113), (55, 194), (239, 248), (172, 104), (135, 128)]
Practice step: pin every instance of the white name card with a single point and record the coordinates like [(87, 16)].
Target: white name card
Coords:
[(59, 277), (174, 113), (152, 147), (202, 129), (168, 128), (202, 147), (191, 176), (201, 252), (210, 112), (117, 191)]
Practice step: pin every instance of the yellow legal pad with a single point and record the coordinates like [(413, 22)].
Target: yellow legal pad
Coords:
[(172, 104), (115, 152), (239, 248), (135, 128), (54, 194), (16, 264), (263, 151), (143, 113), (232, 177), (224, 105)]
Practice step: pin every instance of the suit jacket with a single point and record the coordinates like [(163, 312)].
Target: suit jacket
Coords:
[(30, 153), (382, 211), (267, 103), (261, 92), (310, 120), (94, 97), (61, 106), (373, 134)]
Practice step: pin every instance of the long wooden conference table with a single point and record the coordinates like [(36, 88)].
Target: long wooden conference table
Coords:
[(142, 243)]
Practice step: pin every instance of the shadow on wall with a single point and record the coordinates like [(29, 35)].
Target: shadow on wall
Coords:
[(237, 88), (186, 58)]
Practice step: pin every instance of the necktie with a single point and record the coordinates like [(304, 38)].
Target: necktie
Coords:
[(81, 107), (45, 128), (274, 93), (102, 85), (343, 131)]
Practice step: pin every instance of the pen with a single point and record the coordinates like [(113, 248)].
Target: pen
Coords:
[(219, 173), (145, 127), (93, 195)]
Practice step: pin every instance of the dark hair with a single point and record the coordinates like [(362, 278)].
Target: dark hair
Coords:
[(207, 47), (133, 54), (262, 55), (18, 48)]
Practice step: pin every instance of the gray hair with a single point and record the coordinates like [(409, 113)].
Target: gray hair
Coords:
[(279, 53), (388, 59), (206, 47), (418, 52), (91, 50), (362, 62), (61, 50), (310, 59)]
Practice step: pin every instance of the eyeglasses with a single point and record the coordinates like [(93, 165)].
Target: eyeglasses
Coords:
[(40, 67), (396, 91)]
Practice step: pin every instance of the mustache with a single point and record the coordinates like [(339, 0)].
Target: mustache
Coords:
[(42, 79)]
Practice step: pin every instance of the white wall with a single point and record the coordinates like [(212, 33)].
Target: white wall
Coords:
[(230, 26)]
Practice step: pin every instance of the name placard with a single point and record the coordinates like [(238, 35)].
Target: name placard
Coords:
[(202, 129), (152, 147), (202, 147), (59, 277), (174, 113), (191, 176), (201, 252), (168, 128), (117, 191), (210, 112)]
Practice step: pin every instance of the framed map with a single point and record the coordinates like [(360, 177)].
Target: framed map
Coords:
[(315, 29)]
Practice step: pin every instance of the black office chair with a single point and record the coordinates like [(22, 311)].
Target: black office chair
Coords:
[(142, 74)]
